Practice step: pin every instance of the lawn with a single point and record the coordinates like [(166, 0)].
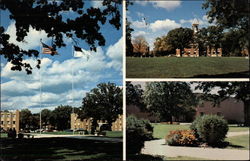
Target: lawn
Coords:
[(161, 130), (59, 149), (238, 142), (202, 67)]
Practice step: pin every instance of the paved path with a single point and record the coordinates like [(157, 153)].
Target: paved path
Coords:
[(158, 147), (89, 137)]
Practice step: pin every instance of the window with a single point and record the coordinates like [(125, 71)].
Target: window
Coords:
[(14, 122), (2, 122)]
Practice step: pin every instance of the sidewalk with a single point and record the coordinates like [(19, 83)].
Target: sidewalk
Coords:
[(88, 137), (158, 147)]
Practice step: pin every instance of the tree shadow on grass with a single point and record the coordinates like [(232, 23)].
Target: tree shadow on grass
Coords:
[(244, 74), (59, 149)]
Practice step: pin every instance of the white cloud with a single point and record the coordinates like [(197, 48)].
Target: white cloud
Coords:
[(139, 33), (138, 24), (139, 14), (201, 21), (30, 41), (115, 53), (166, 24), (167, 5), (23, 91)]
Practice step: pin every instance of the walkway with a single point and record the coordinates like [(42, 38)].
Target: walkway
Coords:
[(158, 147), (89, 137)]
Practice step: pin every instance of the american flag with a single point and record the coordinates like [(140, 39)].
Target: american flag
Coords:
[(48, 50)]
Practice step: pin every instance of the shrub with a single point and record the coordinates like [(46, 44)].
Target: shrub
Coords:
[(137, 132), (181, 137), (211, 129)]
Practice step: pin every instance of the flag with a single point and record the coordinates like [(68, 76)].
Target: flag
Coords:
[(79, 52), (48, 50)]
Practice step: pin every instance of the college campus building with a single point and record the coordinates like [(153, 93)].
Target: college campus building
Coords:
[(194, 50), (231, 109), (10, 120), (85, 124)]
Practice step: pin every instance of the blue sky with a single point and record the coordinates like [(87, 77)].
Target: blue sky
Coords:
[(163, 16), (19, 90)]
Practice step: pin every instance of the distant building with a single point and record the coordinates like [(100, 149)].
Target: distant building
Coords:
[(10, 120), (231, 109), (85, 124), (194, 50)]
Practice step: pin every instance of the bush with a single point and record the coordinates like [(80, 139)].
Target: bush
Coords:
[(137, 132), (181, 137), (211, 129)]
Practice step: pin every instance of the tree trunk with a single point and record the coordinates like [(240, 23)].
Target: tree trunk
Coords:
[(247, 113)]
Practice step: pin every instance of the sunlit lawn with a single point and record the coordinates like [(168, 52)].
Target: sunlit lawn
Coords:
[(238, 142), (201, 67), (161, 130), (51, 149)]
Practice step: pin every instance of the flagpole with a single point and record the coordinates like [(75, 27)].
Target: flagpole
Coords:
[(72, 86), (40, 77)]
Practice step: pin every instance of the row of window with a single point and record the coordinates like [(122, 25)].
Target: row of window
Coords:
[(8, 115), (8, 122)]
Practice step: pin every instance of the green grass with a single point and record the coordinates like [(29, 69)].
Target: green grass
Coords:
[(238, 142), (3, 135), (172, 67), (51, 149), (114, 134), (161, 130), (237, 129)]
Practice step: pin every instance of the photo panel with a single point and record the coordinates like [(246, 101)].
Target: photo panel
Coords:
[(187, 39), (61, 80), (187, 120)]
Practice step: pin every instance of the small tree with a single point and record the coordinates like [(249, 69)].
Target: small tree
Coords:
[(140, 45), (137, 132), (211, 129)]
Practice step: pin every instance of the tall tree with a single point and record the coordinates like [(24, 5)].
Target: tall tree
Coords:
[(134, 94), (140, 45), (25, 119), (49, 16), (169, 99), (209, 37), (61, 116), (129, 46), (161, 47), (102, 103), (230, 14), (238, 90), (180, 38), (46, 116)]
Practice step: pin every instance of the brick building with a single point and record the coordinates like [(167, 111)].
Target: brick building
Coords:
[(10, 120), (85, 124), (231, 109)]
